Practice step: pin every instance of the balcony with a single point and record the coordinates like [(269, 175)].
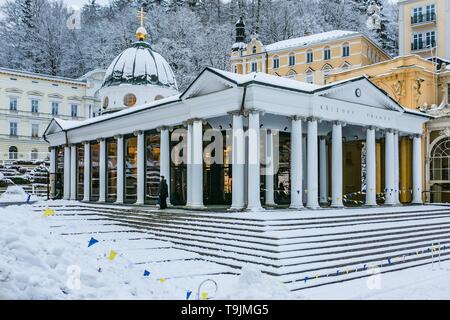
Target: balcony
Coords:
[(423, 45), (422, 19)]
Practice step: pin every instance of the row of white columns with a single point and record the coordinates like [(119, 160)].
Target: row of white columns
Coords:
[(71, 166), (250, 198)]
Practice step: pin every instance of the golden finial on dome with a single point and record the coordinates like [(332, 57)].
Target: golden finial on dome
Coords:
[(141, 33)]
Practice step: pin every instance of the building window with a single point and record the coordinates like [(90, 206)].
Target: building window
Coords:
[(309, 56), (417, 42), (34, 154), (345, 66), (13, 129), (291, 74), (309, 76), (326, 70), (430, 12), (292, 60), (346, 50), (327, 53), (74, 110), (276, 62), (35, 130), (254, 67), (13, 104), (55, 107), (13, 153), (129, 100), (430, 38), (254, 49), (235, 69), (34, 106)]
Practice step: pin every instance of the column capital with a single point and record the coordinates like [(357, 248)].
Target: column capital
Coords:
[(248, 112), (235, 113), (118, 136), (310, 119), (162, 128), (339, 122), (416, 135), (101, 139), (85, 142), (297, 118), (138, 132)]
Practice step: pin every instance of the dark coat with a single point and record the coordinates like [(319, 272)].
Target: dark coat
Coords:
[(163, 189)]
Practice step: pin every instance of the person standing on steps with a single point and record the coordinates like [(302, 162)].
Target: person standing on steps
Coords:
[(163, 193)]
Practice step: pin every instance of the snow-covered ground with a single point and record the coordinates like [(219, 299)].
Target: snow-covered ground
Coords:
[(38, 262)]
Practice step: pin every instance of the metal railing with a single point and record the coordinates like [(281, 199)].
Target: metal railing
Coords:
[(423, 18), (421, 45)]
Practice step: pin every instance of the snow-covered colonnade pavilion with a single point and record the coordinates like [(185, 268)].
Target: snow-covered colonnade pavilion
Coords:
[(148, 129)]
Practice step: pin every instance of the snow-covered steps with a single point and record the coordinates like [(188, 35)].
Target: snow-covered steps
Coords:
[(303, 248)]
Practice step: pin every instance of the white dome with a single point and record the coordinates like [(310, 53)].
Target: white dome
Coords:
[(140, 65)]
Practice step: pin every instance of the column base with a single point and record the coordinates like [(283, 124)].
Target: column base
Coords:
[(416, 203), (140, 203), (313, 207), (337, 206), (254, 209), (118, 202), (196, 206), (237, 208), (370, 205), (296, 207), (271, 204)]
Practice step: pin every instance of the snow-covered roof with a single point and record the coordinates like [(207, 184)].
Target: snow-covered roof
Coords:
[(139, 65), (35, 75), (309, 40)]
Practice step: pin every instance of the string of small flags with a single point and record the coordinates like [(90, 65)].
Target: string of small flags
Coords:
[(48, 212), (386, 261)]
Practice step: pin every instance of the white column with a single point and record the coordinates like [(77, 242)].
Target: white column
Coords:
[(313, 170), (371, 168), (417, 170), (140, 199), (189, 164), (52, 172), (87, 172), (164, 159), (270, 168), (102, 171), (304, 167), (73, 172), (67, 173), (396, 170), (336, 166), (254, 200), (197, 164), (296, 164), (238, 170), (323, 174), (120, 169), (389, 169)]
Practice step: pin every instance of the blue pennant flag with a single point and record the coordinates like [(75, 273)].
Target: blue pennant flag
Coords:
[(92, 242), (146, 273), (306, 279), (389, 260), (28, 198), (337, 272), (188, 295)]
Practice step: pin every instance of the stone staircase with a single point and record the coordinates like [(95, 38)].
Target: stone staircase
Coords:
[(304, 249)]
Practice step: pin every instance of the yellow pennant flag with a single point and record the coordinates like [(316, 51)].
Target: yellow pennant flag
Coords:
[(112, 255), (204, 295), (162, 280), (49, 212)]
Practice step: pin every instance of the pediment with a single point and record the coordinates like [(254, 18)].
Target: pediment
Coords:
[(74, 98), (53, 127), (55, 96), (360, 91), (35, 93), (14, 90), (208, 82)]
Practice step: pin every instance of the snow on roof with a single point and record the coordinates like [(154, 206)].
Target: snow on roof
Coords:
[(41, 76), (71, 124), (267, 79), (312, 39)]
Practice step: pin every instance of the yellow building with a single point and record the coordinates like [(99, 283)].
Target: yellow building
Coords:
[(310, 58), (424, 28)]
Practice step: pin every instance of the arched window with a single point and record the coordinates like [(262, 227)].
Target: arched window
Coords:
[(440, 161), (276, 62), (346, 50), (254, 49), (309, 56), (105, 103), (13, 153), (309, 76), (129, 100), (292, 59), (326, 70), (327, 53), (291, 74)]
